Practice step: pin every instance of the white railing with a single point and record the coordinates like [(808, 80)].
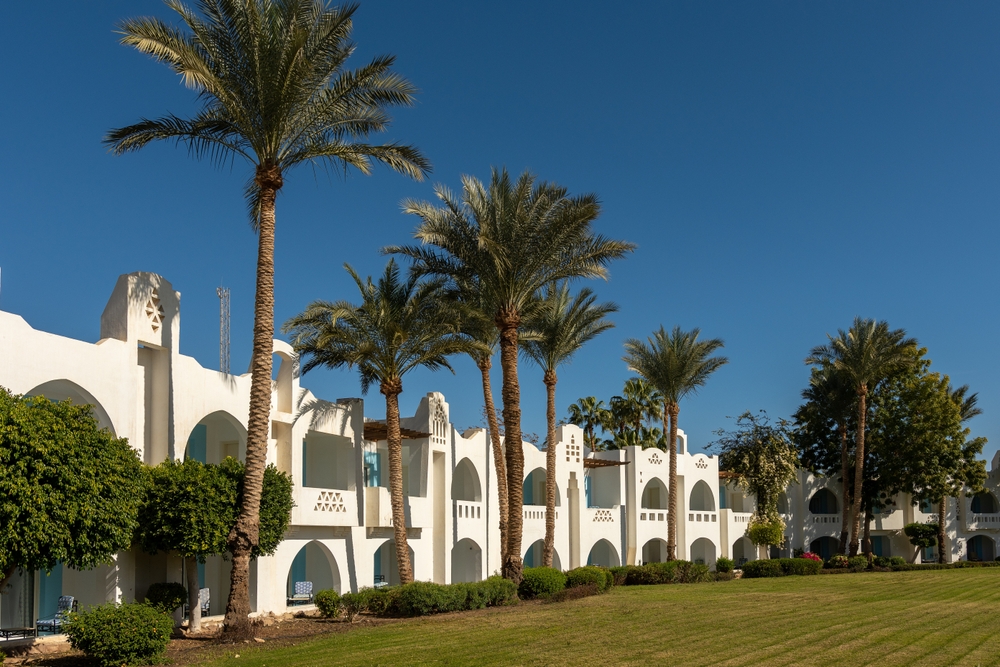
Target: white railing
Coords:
[(324, 507), (742, 517), (827, 518), (702, 516), (653, 515), (984, 521), (465, 509), (534, 512)]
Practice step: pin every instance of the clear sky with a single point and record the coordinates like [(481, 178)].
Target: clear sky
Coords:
[(782, 167)]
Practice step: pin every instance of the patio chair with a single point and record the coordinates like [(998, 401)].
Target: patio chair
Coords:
[(205, 600), (64, 607), (380, 581), (303, 593)]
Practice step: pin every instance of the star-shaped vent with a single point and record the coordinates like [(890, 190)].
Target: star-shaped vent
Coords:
[(154, 311)]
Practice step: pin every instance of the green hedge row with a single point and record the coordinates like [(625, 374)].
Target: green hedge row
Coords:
[(419, 598), (672, 572), (781, 567)]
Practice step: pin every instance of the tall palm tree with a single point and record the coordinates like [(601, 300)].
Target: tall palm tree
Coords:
[(275, 91), (560, 326), (514, 237), (865, 355), (646, 403), (676, 364), (400, 324), (588, 413)]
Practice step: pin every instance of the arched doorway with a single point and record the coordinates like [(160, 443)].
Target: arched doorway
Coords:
[(744, 551), (981, 548), (66, 390), (654, 495), (825, 547), (702, 498), (533, 556), (823, 502), (703, 551), (386, 565), (603, 553), (985, 503), (465, 483), (215, 437), (314, 563), (654, 551), (466, 562), (534, 488)]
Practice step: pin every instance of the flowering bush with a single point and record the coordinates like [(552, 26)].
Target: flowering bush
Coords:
[(837, 561), (811, 556)]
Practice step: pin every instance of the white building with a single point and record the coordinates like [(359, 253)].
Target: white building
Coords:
[(611, 506)]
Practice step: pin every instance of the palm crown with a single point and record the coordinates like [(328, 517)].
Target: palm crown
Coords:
[(676, 364), (866, 353), (562, 324)]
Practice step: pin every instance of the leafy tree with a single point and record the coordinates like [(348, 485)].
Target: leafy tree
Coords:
[(67, 487), (676, 364), (400, 324), (190, 508), (589, 414), (559, 326), (275, 91), (764, 461), (922, 535), (866, 354), (514, 237)]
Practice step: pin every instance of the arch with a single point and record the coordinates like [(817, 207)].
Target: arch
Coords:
[(654, 551), (702, 498), (215, 437), (314, 562), (534, 488), (533, 556), (981, 547), (465, 482), (386, 566), (62, 390), (654, 495), (823, 502), (703, 551), (825, 547), (284, 368), (466, 562), (604, 553), (744, 551), (985, 503)]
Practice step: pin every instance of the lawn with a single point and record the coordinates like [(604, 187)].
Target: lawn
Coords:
[(949, 617)]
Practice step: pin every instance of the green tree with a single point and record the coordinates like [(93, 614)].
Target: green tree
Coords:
[(275, 91), (764, 461), (676, 364), (514, 237), (865, 355), (589, 414), (400, 324), (67, 487), (559, 326)]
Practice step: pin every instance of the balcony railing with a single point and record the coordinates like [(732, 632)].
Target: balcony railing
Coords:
[(324, 507), (535, 513), (465, 509), (702, 516), (652, 515), (827, 518), (983, 521)]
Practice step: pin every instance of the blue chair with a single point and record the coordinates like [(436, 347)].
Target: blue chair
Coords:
[(65, 606), (303, 593)]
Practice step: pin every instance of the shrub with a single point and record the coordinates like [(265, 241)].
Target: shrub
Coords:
[(857, 563), (663, 573), (167, 596), (880, 561), (800, 566), (760, 569), (724, 576), (380, 601), (575, 593), (127, 634), (618, 575), (541, 582), (767, 532), (837, 561), (590, 574), (328, 602), (811, 556), (723, 564), (353, 604), (896, 560), (420, 598), (691, 573), (498, 591)]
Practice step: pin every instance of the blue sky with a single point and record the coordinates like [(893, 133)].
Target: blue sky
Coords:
[(782, 167)]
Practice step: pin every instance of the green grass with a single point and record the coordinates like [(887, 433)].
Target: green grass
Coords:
[(949, 617)]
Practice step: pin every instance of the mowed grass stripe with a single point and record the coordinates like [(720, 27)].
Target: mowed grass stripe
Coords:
[(947, 617)]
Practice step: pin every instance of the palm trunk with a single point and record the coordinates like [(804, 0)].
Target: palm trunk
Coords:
[(550, 469), (846, 499), (867, 544), (859, 469), (673, 410), (392, 390), (485, 364), (942, 531), (507, 323), (194, 594), (244, 535)]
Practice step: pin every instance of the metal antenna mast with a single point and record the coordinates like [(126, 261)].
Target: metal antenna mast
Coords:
[(223, 293)]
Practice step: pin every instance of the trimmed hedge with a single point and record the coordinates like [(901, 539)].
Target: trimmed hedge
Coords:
[(134, 633), (328, 603), (671, 572), (541, 582), (590, 575), (781, 567), (723, 564)]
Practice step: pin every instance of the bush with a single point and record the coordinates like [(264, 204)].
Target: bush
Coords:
[(167, 596), (837, 562), (896, 560), (800, 566), (857, 563), (724, 576), (421, 598), (575, 593), (811, 556), (723, 564), (127, 634), (590, 574), (380, 601), (353, 604), (328, 603), (541, 582), (767, 532), (761, 569), (498, 591), (618, 575), (690, 573)]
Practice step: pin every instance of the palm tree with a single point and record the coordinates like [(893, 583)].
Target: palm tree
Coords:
[(514, 237), (645, 403), (275, 92), (400, 324), (676, 364), (588, 413), (865, 355), (560, 326)]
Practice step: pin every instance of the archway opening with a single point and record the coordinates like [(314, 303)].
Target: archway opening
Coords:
[(654, 495), (215, 437), (985, 503), (66, 390), (703, 551), (465, 483), (702, 498), (534, 489), (603, 553), (466, 562), (823, 502), (533, 556), (386, 565), (825, 547), (981, 548), (744, 551), (313, 565), (654, 551)]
